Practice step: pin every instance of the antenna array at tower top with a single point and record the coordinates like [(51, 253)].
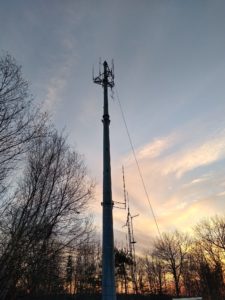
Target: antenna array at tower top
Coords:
[(105, 77)]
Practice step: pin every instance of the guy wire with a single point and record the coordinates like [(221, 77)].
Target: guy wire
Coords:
[(137, 163)]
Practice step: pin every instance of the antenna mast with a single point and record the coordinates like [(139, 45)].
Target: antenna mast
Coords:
[(131, 241), (106, 79)]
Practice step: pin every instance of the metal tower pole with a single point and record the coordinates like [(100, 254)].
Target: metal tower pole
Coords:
[(106, 79)]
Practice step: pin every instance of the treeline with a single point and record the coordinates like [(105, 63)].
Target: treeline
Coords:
[(180, 264), (177, 265)]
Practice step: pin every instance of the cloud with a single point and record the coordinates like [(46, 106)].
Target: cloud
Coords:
[(221, 194), (156, 148), (198, 180), (186, 156), (179, 193), (196, 156), (153, 149), (61, 62), (58, 82), (194, 183), (54, 90)]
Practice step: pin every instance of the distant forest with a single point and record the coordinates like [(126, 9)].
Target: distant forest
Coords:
[(48, 244)]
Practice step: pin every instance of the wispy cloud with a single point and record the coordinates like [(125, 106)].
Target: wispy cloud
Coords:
[(177, 192), (62, 62), (198, 181), (54, 90), (153, 149), (196, 156), (156, 148), (58, 82), (221, 194), (187, 155)]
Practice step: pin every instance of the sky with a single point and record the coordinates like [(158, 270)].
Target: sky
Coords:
[(169, 59)]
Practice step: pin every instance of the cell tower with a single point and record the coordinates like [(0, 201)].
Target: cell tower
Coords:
[(106, 79), (131, 240)]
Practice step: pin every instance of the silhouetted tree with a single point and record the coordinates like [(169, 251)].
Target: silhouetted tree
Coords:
[(212, 231), (69, 272), (173, 249), (155, 269), (19, 121), (141, 275), (49, 204), (88, 267), (190, 274), (43, 275), (210, 251), (122, 261)]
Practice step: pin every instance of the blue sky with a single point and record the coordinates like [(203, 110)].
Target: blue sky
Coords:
[(169, 72)]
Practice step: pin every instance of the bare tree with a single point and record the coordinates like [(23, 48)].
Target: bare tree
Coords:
[(172, 249), (212, 232), (190, 272), (69, 273), (142, 280), (19, 121), (87, 267), (155, 269), (50, 204), (210, 243), (123, 261), (42, 275)]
